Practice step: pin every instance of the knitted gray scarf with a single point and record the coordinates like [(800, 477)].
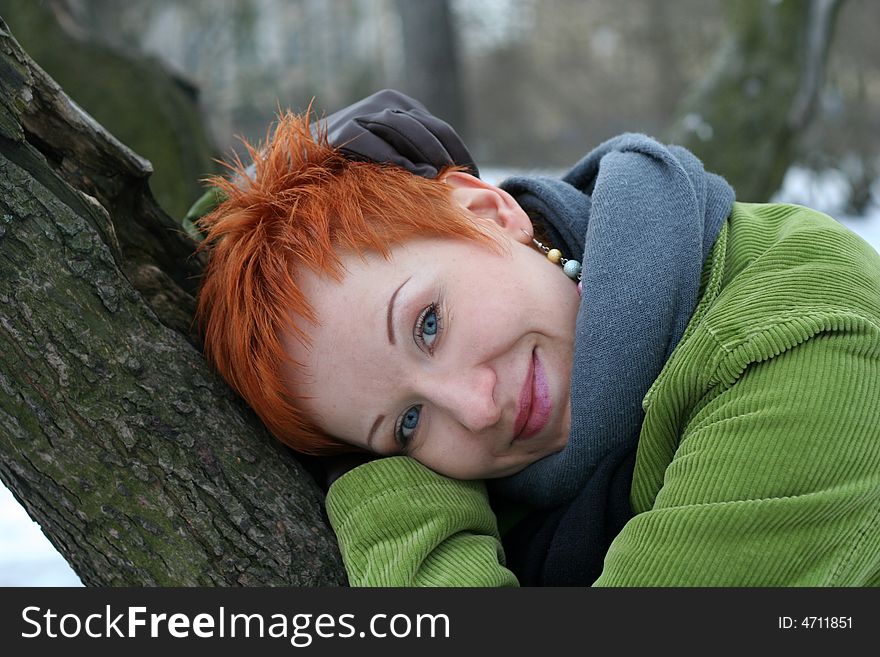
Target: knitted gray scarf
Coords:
[(644, 218)]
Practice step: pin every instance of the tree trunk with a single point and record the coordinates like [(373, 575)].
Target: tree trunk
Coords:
[(431, 59), (141, 466), (743, 119), (148, 108)]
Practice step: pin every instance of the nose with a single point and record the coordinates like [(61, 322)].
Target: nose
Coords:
[(467, 394)]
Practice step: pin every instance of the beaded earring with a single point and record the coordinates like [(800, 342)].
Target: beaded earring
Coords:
[(572, 268)]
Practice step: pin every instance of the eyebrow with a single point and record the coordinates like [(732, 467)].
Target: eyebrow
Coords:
[(373, 430), (391, 313)]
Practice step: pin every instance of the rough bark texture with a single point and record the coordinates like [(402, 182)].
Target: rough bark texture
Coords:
[(148, 108), (745, 116), (141, 466)]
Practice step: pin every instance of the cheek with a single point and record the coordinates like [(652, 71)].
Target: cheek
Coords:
[(536, 280), (454, 453), (500, 321), (557, 296)]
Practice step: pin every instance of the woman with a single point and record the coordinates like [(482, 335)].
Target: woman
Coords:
[(697, 406)]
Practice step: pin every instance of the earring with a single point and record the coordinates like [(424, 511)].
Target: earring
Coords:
[(572, 268)]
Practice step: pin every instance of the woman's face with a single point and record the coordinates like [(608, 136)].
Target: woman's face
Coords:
[(449, 352)]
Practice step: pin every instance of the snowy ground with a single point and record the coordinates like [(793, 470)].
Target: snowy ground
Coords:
[(28, 559), (827, 192)]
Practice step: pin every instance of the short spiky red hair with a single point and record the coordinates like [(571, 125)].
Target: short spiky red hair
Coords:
[(306, 203)]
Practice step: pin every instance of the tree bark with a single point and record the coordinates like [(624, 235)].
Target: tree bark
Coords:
[(146, 106), (141, 466), (744, 117)]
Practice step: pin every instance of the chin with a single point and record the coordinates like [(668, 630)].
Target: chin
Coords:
[(519, 467), (506, 473)]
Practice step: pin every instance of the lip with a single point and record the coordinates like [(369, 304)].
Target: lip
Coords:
[(534, 402)]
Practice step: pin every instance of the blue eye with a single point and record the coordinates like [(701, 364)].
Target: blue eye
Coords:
[(427, 327), (406, 425)]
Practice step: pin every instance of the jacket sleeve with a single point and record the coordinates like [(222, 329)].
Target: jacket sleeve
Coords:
[(775, 481), (400, 524)]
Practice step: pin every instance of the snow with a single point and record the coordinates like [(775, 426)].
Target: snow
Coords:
[(27, 558), (827, 191)]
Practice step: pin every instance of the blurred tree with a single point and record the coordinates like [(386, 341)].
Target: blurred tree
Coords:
[(846, 136), (137, 99), (140, 465), (431, 59), (547, 80), (744, 118)]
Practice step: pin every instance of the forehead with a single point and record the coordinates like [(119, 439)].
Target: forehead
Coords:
[(337, 303), (347, 340), (348, 355), (371, 278)]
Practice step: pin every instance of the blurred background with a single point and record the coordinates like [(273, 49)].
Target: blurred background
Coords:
[(780, 96)]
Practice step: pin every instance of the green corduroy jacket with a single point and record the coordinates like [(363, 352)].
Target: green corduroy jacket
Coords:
[(759, 456)]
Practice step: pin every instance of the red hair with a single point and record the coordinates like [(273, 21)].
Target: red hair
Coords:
[(306, 203)]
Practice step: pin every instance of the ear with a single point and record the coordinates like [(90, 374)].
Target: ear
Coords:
[(488, 202)]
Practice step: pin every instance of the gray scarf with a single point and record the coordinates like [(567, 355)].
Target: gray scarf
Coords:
[(644, 217)]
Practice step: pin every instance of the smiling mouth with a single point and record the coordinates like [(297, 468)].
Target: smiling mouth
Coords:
[(534, 402)]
